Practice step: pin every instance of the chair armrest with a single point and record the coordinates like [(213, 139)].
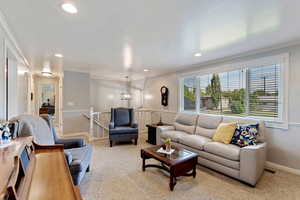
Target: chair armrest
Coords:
[(252, 162), (69, 157), (134, 125), (159, 130), (111, 125), (71, 143)]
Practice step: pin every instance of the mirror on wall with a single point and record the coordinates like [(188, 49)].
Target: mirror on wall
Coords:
[(47, 99), (46, 96)]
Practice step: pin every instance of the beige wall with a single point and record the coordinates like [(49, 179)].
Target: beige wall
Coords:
[(106, 94), (76, 101), (283, 145), (152, 95), (81, 92)]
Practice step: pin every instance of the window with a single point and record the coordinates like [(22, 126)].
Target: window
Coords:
[(223, 93), (250, 90), (189, 94)]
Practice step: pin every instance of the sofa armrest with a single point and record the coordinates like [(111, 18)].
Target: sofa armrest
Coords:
[(161, 129), (252, 162), (69, 157)]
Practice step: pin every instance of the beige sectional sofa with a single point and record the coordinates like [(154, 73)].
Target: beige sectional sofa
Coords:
[(195, 132)]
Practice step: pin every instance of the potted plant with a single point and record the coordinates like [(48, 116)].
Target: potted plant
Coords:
[(168, 144)]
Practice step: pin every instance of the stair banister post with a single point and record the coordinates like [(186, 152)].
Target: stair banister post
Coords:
[(91, 122)]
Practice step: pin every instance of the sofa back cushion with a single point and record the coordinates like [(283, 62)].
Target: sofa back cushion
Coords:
[(209, 121), (207, 125), (185, 122), (242, 120), (205, 132)]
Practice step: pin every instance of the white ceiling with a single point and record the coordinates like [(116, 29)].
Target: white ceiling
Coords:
[(116, 37)]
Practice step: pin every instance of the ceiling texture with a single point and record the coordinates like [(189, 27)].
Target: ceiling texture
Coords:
[(111, 39)]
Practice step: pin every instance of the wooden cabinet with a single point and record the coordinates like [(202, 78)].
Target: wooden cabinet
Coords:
[(152, 132), (39, 172)]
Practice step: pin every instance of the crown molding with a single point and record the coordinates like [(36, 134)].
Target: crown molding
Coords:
[(12, 39)]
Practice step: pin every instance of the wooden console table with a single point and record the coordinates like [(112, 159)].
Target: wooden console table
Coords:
[(152, 132), (39, 172)]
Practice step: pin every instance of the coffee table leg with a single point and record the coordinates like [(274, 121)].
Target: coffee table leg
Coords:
[(194, 172), (171, 183), (143, 167)]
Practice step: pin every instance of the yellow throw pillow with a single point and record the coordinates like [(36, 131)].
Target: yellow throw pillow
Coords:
[(224, 132)]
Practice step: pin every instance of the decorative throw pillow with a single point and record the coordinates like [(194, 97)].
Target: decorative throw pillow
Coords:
[(224, 132), (245, 135)]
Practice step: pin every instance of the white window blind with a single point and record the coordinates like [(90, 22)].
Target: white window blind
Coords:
[(251, 92), (263, 91)]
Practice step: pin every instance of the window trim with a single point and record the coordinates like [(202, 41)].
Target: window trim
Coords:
[(281, 59)]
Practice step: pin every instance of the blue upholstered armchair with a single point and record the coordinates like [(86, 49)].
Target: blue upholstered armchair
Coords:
[(78, 154), (122, 126)]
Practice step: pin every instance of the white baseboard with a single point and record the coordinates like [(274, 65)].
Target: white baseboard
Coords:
[(283, 168)]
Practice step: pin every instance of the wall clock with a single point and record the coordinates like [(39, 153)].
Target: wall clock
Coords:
[(164, 95)]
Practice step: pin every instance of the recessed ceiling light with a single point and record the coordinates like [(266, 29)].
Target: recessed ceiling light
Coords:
[(197, 54), (69, 8), (146, 70), (58, 55)]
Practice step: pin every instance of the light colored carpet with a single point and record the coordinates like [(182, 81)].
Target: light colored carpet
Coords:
[(116, 174)]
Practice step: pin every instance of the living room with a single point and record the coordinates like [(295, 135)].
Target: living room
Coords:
[(123, 100)]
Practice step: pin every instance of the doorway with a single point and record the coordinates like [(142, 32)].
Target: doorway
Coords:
[(46, 95)]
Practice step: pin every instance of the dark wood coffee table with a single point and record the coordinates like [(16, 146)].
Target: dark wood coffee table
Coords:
[(180, 163)]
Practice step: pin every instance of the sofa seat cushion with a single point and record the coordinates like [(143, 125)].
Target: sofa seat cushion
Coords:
[(194, 141), (81, 158), (228, 151), (123, 130), (174, 135), (218, 159)]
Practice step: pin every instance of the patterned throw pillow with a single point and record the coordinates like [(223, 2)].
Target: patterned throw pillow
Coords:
[(245, 135)]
